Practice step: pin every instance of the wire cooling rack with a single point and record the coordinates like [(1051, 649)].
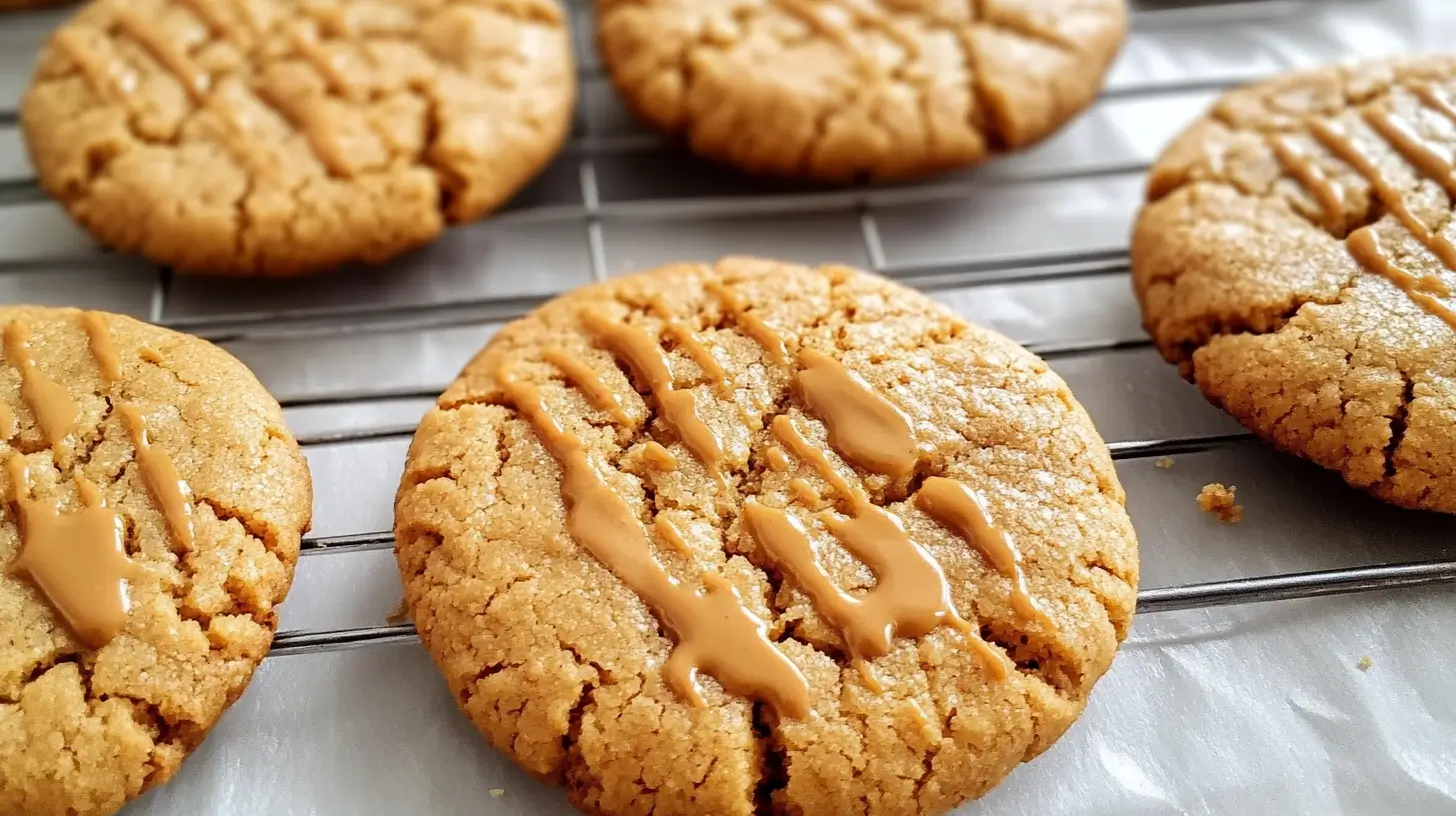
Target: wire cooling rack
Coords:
[(347, 716)]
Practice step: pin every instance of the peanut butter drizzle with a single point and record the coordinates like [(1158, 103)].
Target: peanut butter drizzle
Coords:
[(77, 560), (1434, 285), (665, 531), (713, 630), (9, 427), (660, 457), (163, 482), (1435, 99), (111, 80), (1364, 244), (150, 354), (1299, 162), (646, 358), (98, 333), (911, 595), (804, 493), (769, 340), (1335, 140), (865, 428), (776, 459), (963, 512), (194, 79), (55, 411), (323, 62), (589, 382), (1423, 155), (693, 345), (205, 12)]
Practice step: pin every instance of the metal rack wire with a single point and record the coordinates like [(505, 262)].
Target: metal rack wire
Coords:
[(356, 358)]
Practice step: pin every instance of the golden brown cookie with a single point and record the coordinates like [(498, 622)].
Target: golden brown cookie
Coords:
[(154, 505), (1296, 260), (839, 89), (760, 538), (282, 137)]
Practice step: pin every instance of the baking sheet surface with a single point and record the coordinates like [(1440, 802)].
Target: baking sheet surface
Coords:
[(1237, 710)]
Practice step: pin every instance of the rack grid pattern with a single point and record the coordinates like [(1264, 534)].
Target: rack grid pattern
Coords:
[(1033, 245)]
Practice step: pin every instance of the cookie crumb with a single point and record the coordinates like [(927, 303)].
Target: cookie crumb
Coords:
[(1165, 462), (1219, 500), (496, 793), (399, 614), (1365, 663)]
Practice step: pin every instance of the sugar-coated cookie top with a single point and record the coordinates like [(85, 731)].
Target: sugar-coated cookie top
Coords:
[(155, 504), (1295, 259), (750, 536), (283, 137)]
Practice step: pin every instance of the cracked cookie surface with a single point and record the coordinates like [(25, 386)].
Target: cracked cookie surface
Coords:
[(283, 137), (835, 90), (94, 410), (1295, 259), (690, 399)]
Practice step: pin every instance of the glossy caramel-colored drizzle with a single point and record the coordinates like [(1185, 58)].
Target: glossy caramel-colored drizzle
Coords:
[(98, 334), (1365, 246), (911, 595), (665, 531), (323, 62), (588, 382), (713, 630), (163, 482), (963, 512), (1299, 162), (1335, 140), (1435, 99), (693, 345), (111, 80), (774, 456), (804, 493), (9, 427), (194, 79), (660, 457), (769, 340), (1423, 155), (209, 16), (1432, 284), (865, 428), (78, 560), (55, 411), (646, 358)]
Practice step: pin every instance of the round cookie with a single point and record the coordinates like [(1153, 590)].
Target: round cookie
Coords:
[(279, 137), (836, 90), (1295, 260), (154, 506), (760, 538)]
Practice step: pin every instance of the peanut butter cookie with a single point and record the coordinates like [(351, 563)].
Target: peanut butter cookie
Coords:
[(283, 137), (154, 505), (839, 89), (1295, 259), (757, 538)]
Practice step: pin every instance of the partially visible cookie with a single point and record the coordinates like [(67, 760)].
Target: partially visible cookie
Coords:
[(1296, 260), (840, 89), (755, 538), (283, 137), (154, 504)]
